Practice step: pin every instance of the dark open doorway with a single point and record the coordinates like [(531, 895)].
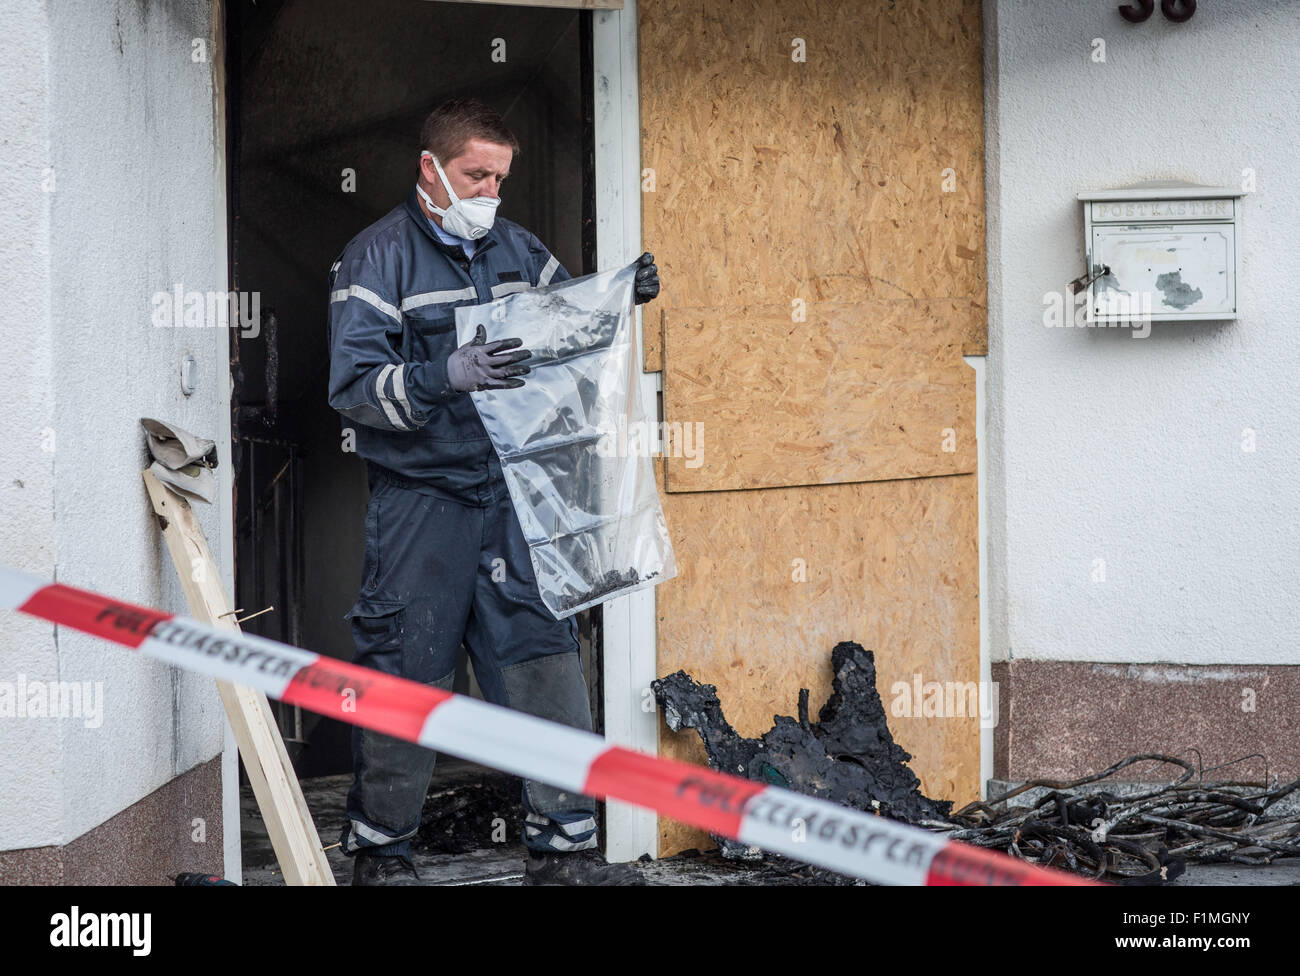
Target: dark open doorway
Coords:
[(325, 101)]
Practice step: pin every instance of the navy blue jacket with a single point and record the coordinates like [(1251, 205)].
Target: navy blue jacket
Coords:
[(392, 325)]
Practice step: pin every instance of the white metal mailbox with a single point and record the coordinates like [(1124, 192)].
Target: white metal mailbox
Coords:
[(1161, 251)]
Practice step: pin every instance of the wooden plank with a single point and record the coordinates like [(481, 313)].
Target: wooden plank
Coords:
[(865, 391), (279, 796), (771, 580)]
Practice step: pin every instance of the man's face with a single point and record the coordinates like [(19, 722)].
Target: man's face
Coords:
[(478, 171)]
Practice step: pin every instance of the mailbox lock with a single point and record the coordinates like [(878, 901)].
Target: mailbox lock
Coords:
[(1085, 279)]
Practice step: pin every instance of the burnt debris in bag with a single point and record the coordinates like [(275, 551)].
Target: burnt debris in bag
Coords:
[(583, 489)]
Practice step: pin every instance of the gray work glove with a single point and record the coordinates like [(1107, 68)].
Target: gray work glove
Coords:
[(647, 279), (483, 365)]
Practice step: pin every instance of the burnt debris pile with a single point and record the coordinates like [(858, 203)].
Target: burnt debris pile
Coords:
[(1127, 834), (465, 814), (848, 756), (1137, 835)]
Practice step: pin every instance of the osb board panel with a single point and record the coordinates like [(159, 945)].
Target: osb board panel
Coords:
[(975, 337), (652, 339), (866, 391), (891, 565), (854, 174), (967, 319)]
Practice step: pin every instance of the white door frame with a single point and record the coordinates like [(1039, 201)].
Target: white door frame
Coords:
[(629, 623)]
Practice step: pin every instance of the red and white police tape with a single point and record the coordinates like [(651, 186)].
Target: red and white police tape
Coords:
[(814, 831)]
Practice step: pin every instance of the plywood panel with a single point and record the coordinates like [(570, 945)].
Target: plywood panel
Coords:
[(864, 391), (854, 174), (891, 565), (965, 319), (850, 176), (652, 339), (975, 334)]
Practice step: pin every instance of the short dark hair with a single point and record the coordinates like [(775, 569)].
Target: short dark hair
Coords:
[(458, 120)]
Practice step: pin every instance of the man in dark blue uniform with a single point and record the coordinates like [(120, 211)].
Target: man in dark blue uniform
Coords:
[(445, 559)]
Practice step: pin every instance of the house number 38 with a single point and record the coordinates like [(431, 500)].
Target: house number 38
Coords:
[(1175, 10)]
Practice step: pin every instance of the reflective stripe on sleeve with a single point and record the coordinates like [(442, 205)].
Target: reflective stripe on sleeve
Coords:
[(369, 297), (548, 272), (385, 401)]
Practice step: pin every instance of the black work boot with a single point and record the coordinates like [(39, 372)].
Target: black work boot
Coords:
[(587, 867), (383, 869)]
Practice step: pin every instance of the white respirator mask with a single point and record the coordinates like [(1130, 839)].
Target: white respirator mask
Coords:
[(470, 218)]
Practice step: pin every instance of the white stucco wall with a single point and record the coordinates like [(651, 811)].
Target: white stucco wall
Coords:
[(1106, 447), (26, 413), (108, 95)]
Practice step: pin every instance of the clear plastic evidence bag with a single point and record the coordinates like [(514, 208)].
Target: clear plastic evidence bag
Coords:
[(583, 489)]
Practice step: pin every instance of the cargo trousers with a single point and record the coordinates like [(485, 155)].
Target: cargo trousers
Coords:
[(438, 572)]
